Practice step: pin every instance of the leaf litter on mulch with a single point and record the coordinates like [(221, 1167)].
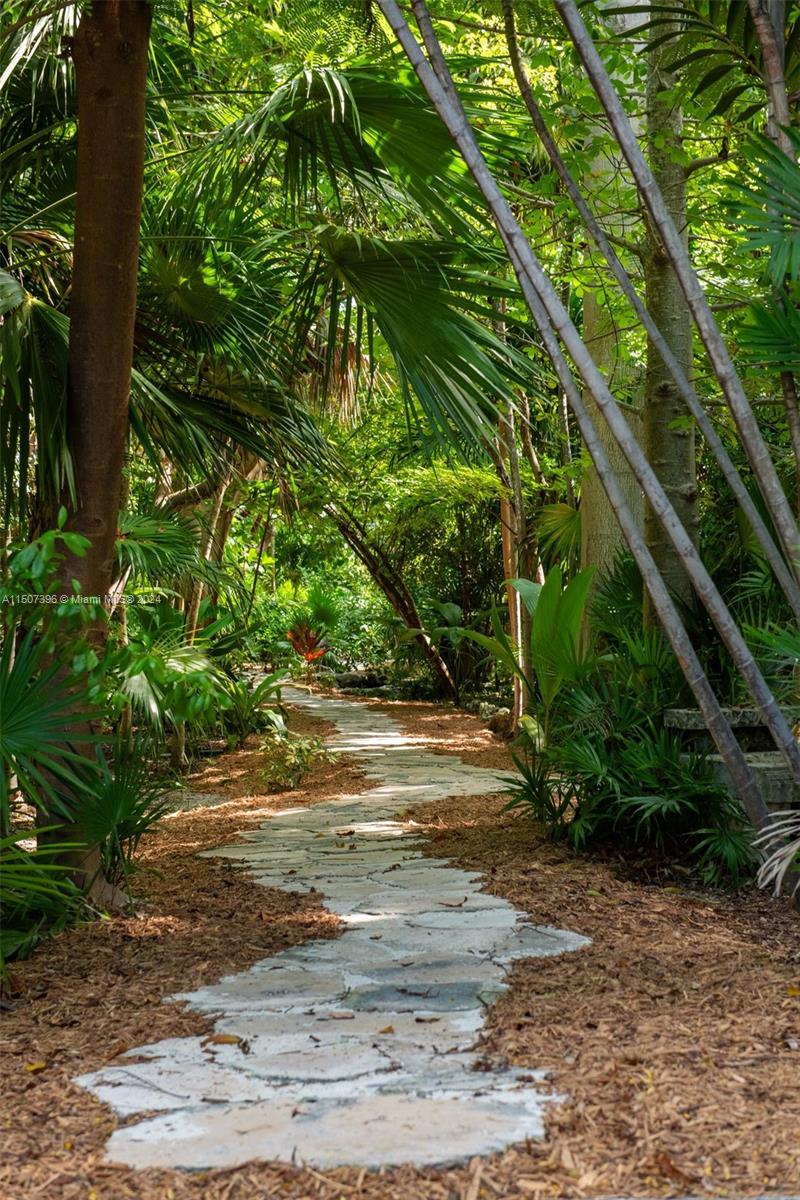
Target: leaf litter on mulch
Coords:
[(674, 1039)]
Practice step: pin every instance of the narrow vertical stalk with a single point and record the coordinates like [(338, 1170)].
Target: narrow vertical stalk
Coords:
[(769, 19), (769, 32), (513, 538), (712, 439), (719, 357)]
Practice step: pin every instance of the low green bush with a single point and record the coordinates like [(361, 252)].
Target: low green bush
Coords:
[(595, 763), (37, 896), (288, 757)]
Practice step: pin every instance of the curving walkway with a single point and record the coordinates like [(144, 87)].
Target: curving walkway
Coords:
[(360, 1050)]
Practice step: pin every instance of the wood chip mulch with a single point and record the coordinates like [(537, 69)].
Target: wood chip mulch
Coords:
[(674, 1037)]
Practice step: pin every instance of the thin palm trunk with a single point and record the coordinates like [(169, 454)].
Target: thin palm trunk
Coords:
[(717, 351), (512, 539), (773, 555)]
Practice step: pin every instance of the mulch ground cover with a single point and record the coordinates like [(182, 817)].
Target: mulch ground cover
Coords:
[(674, 1038)]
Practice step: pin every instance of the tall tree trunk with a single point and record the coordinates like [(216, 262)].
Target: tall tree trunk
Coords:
[(668, 434), (109, 51), (602, 539)]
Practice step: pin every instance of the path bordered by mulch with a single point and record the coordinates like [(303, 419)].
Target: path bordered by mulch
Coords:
[(675, 1036)]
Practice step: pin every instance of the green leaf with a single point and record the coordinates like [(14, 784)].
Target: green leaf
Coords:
[(12, 293)]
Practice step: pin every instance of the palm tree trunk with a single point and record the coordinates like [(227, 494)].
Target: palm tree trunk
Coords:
[(602, 538), (109, 51), (668, 436)]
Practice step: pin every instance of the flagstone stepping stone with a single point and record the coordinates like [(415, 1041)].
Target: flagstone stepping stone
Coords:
[(357, 1050)]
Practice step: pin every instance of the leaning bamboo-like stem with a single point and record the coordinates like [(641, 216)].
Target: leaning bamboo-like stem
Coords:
[(780, 117), (719, 357), (550, 316), (766, 20), (773, 555), (790, 404)]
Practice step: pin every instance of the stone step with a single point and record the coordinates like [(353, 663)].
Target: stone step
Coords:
[(692, 720), (772, 775)]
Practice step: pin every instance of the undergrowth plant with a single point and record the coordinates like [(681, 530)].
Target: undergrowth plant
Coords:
[(250, 709), (123, 804), (37, 895), (288, 757), (595, 763)]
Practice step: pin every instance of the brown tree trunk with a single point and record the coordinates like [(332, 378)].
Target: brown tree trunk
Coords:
[(109, 51), (395, 592), (110, 56)]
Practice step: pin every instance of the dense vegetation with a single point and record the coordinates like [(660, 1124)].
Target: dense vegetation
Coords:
[(273, 404)]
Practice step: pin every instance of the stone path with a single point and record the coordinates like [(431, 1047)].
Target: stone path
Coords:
[(360, 1050)]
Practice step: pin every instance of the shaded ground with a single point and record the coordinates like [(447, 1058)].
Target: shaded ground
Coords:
[(676, 1035)]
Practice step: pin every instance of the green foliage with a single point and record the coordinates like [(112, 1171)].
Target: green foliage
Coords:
[(556, 652), (768, 207), (559, 528), (617, 776), (37, 896), (166, 679), (250, 709), (121, 806), (38, 707), (288, 757), (594, 761), (158, 545), (45, 697)]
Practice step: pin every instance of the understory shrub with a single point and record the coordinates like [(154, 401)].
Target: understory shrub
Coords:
[(250, 709), (288, 757), (123, 804), (37, 896), (595, 763)]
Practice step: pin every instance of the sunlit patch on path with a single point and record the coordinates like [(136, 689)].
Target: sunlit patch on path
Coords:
[(360, 1050)]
